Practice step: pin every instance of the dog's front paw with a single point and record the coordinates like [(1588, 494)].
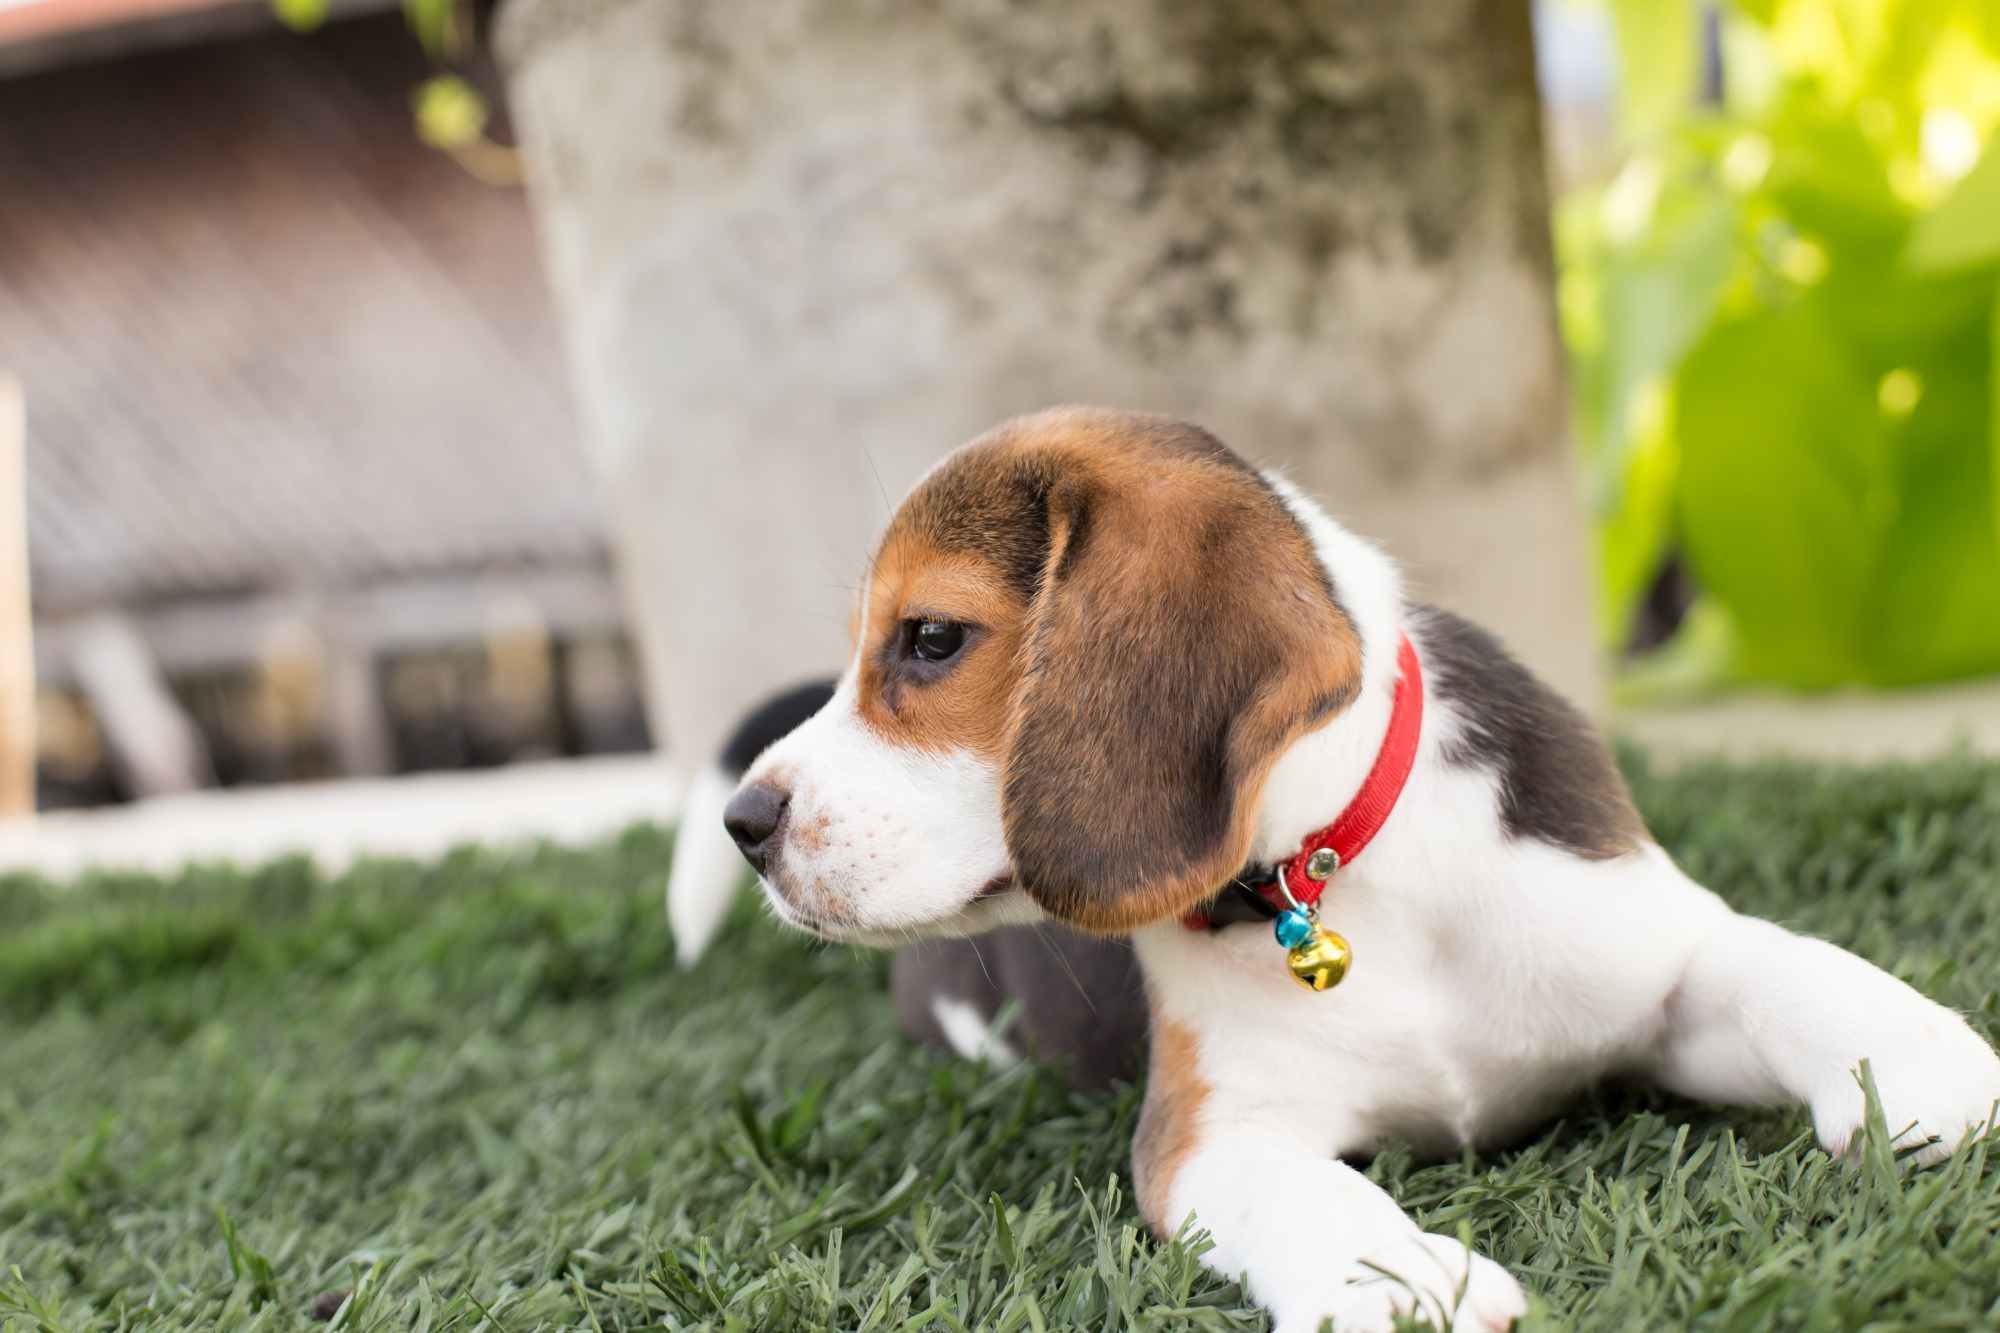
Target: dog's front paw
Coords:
[(1422, 1275), (1937, 1092)]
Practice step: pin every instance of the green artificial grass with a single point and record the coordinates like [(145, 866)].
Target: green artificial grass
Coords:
[(478, 1095)]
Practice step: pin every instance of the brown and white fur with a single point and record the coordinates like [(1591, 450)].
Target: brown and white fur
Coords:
[(1172, 667)]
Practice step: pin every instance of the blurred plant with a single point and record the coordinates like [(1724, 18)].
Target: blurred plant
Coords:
[(450, 114), (1784, 309)]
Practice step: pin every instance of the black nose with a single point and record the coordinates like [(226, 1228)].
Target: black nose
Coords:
[(752, 818)]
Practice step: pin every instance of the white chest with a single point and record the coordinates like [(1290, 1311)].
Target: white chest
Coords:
[(1476, 1003)]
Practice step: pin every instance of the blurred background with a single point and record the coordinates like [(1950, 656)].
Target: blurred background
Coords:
[(431, 387), (303, 490)]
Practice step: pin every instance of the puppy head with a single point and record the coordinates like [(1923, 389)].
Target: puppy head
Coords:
[(1083, 642)]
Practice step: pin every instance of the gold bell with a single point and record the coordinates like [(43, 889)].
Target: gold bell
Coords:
[(1321, 960)]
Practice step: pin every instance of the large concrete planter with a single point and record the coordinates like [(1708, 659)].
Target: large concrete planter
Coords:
[(801, 247)]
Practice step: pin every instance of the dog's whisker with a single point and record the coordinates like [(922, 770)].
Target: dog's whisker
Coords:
[(1068, 969), (888, 505), (983, 969)]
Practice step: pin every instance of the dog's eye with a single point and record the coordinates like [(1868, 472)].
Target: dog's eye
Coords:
[(936, 640)]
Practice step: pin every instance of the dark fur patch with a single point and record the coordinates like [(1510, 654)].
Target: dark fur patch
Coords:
[(995, 506), (1557, 782), (997, 503), (1081, 999), (770, 722), (327, 1305), (1121, 767)]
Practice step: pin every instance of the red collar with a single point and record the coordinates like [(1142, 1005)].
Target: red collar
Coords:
[(1364, 816)]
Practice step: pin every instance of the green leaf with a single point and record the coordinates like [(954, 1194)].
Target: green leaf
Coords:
[(1633, 532), (1993, 409), (435, 23), (246, 1264), (1655, 300), (1779, 439), (1831, 180), (1933, 596), (1847, 530), (1875, 1151), (1985, 26), (1963, 231), (1761, 10), (1658, 298), (799, 1121), (1659, 50), (892, 1202), (1010, 1249), (450, 112), (300, 15)]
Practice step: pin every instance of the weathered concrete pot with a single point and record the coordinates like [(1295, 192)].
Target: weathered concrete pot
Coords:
[(802, 247)]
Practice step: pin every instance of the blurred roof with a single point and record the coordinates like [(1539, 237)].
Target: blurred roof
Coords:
[(268, 339), (23, 19), (38, 34)]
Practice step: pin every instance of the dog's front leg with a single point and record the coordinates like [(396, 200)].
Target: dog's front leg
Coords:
[(1314, 1239), (1764, 1016), (1307, 1233)]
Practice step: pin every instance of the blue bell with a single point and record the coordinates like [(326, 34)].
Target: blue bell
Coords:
[(1292, 928)]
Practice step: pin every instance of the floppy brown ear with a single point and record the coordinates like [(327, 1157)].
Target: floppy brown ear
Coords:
[(1183, 634)]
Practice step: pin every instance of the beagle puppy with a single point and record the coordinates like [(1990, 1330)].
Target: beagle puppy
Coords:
[(1106, 672)]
